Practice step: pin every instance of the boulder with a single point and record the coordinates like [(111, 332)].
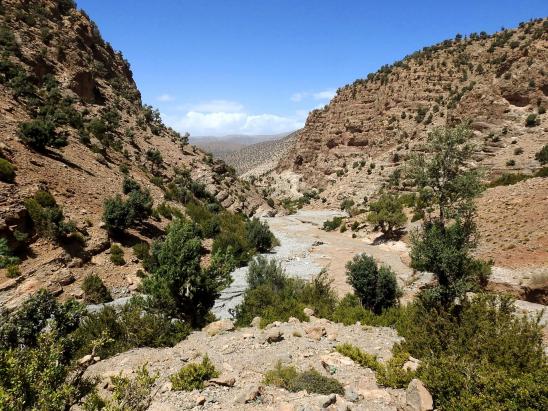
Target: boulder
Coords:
[(249, 394), (309, 312), (417, 397), (412, 364), (274, 335), (218, 327), (256, 322), (315, 332), (224, 380)]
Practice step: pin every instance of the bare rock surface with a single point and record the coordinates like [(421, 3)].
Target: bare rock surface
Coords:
[(244, 355)]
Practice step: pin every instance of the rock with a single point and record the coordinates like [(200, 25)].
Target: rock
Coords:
[(162, 406), (218, 327), (412, 364), (325, 401), (249, 394), (224, 380), (6, 285), (256, 322), (308, 312), (64, 277), (200, 400), (293, 320), (85, 359), (78, 293), (351, 395), (286, 407), (417, 397), (315, 332), (166, 387), (274, 335)]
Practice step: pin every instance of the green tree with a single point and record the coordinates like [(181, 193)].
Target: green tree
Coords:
[(387, 214), (178, 284), (376, 286), (542, 155), (447, 188), (259, 235), (39, 134)]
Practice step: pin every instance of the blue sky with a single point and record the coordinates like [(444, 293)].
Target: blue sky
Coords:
[(216, 67)]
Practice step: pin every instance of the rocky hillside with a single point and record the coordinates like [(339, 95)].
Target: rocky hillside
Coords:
[(243, 356), (259, 158), (61, 82), (497, 83)]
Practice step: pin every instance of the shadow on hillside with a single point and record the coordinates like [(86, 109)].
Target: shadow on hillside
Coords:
[(57, 157)]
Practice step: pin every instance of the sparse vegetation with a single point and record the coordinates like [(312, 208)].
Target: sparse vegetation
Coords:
[(532, 120), (333, 224), (7, 171), (47, 217), (39, 134), (117, 255), (542, 155), (192, 376), (288, 378), (95, 291)]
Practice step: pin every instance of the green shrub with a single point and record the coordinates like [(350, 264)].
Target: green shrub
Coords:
[(542, 155), (479, 354), (129, 185), (13, 271), (518, 151), (119, 215), (6, 257), (511, 163), (47, 217), (141, 250), (117, 255), (134, 325), (95, 291), (389, 374), (127, 394), (312, 381), (7, 171), (532, 120), (39, 134), (333, 224), (507, 179), (387, 214), (347, 204), (274, 296), (259, 235), (192, 376), (376, 287)]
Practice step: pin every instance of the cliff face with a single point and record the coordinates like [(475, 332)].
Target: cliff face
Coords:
[(57, 70), (493, 82)]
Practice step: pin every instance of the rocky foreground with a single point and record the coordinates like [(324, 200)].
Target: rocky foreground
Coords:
[(244, 355)]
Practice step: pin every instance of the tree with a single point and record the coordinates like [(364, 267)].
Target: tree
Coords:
[(441, 174), (259, 235), (387, 214), (376, 286), (542, 155), (178, 284), (39, 134), (447, 188), (154, 156)]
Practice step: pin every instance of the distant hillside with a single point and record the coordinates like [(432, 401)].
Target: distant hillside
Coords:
[(221, 146), (261, 157), (497, 83)]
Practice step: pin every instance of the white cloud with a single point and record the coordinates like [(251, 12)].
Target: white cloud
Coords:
[(222, 117), (324, 95), (165, 98), (319, 95)]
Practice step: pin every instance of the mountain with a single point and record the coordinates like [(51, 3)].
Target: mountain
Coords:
[(61, 83), (497, 83), (221, 146)]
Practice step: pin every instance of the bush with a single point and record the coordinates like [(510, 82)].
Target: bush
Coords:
[(347, 204), (129, 185), (141, 250), (119, 215), (376, 287), (507, 179), (95, 291), (13, 271), (6, 257), (259, 235), (127, 394), (510, 163), (532, 120), (7, 171), (39, 134), (192, 376), (542, 155), (331, 225), (133, 326), (274, 296), (518, 151), (312, 381), (387, 214), (117, 255), (47, 217)]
